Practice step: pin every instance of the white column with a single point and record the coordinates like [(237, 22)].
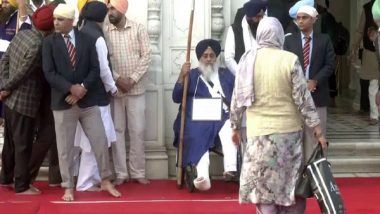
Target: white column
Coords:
[(217, 19), (156, 153)]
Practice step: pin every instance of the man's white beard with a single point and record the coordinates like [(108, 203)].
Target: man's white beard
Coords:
[(208, 69)]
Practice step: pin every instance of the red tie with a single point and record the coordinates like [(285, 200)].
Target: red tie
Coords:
[(306, 52), (71, 50)]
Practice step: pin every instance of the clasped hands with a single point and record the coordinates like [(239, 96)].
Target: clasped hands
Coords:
[(312, 85), (125, 85), (77, 92)]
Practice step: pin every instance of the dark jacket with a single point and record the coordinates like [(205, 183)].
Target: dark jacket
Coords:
[(322, 63), (61, 76)]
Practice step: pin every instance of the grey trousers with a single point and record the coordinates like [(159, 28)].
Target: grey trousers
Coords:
[(65, 126), (129, 116), (309, 142), (298, 208)]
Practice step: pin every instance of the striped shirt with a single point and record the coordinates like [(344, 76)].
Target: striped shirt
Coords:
[(129, 50)]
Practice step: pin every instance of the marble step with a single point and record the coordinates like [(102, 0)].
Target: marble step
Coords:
[(363, 148), (355, 164)]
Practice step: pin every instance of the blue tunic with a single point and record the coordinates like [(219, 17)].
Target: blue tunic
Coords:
[(200, 136)]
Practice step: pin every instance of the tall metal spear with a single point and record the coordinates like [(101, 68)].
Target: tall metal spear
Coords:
[(183, 104)]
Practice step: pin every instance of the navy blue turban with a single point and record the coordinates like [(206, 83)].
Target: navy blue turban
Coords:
[(204, 44), (253, 7), (94, 11)]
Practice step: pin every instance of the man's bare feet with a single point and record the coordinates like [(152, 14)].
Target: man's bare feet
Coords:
[(141, 181), (69, 195), (30, 191), (108, 186)]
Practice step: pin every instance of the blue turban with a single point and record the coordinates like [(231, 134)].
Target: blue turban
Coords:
[(253, 7), (293, 10), (204, 44), (95, 11)]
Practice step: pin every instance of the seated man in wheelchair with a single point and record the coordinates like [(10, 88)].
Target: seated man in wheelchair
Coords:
[(207, 124)]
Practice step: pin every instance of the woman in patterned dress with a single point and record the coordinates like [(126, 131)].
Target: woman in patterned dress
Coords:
[(270, 86)]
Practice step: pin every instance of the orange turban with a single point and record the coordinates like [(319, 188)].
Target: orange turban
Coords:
[(120, 5)]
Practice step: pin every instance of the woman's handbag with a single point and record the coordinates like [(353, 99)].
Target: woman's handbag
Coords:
[(303, 186), (320, 180)]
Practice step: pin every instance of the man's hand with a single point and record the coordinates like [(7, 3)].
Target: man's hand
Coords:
[(130, 84), (372, 33), (184, 72), (319, 136), (71, 99), (4, 94), (312, 85), (236, 137), (125, 85), (122, 84), (78, 91)]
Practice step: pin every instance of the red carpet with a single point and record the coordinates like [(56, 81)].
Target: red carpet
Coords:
[(360, 196)]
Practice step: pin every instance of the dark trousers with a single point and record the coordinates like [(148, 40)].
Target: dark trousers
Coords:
[(17, 149), (45, 143), (364, 99), (333, 86)]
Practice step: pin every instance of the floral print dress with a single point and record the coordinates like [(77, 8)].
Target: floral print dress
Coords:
[(271, 163)]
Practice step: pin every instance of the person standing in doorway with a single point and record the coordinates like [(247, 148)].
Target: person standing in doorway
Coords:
[(369, 73)]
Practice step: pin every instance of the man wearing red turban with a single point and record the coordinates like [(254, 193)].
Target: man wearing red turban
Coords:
[(21, 91)]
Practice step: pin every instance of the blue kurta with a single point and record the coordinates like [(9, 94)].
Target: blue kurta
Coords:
[(200, 136)]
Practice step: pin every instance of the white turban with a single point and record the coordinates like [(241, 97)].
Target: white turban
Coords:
[(311, 11), (65, 11)]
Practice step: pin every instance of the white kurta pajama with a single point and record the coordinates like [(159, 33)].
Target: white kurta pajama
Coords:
[(88, 175)]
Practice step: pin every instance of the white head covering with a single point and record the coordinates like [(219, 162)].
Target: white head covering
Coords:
[(293, 10), (311, 11), (65, 11), (270, 33)]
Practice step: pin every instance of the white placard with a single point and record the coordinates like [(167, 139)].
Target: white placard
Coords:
[(207, 109), (3, 45)]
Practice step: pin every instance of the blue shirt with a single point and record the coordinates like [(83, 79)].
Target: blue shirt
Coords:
[(311, 51)]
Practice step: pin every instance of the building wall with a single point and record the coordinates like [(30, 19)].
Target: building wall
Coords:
[(167, 22)]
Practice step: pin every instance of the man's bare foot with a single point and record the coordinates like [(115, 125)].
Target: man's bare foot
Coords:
[(30, 191), (141, 180), (69, 195), (94, 189), (108, 186)]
